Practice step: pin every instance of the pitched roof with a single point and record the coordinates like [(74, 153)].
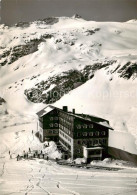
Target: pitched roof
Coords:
[(91, 118), (45, 110), (95, 119)]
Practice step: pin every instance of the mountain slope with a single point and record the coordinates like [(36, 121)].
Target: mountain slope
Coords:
[(84, 64)]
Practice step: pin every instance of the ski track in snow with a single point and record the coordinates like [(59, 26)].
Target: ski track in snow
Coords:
[(46, 177)]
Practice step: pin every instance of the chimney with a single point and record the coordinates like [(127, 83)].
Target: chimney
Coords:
[(65, 108), (73, 111)]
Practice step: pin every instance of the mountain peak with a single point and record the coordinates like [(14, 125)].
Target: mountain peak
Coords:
[(76, 16)]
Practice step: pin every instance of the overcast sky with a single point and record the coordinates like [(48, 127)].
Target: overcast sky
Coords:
[(99, 10)]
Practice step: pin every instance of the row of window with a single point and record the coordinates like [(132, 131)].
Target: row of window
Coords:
[(54, 112), (84, 126), (92, 142), (64, 143), (95, 152), (54, 118), (64, 129), (55, 131), (66, 116), (66, 123), (65, 136), (53, 124), (96, 133)]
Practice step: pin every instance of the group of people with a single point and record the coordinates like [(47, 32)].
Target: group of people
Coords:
[(26, 154), (35, 155)]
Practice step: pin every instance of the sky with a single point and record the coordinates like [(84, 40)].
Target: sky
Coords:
[(13, 11)]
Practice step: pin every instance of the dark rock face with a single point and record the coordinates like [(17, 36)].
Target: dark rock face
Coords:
[(22, 24), (77, 16), (50, 20), (23, 50), (2, 101), (62, 84), (128, 70)]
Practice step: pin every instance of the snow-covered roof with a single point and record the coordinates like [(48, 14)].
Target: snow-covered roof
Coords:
[(91, 118), (46, 110)]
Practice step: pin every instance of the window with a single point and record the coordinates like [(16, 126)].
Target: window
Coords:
[(103, 133), (51, 118), (56, 125), (56, 118), (83, 142), (78, 126), (54, 131), (85, 134), (78, 134), (97, 133), (90, 133), (51, 124), (91, 126), (85, 126), (97, 152), (100, 141), (95, 142)]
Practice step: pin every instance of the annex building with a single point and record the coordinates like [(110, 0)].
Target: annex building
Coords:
[(81, 135)]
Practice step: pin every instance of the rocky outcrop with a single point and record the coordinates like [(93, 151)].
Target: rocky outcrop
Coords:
[(22, 50), (128, 70), (62, 84)]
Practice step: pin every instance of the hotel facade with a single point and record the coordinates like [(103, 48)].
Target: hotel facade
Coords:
[(81, 135)]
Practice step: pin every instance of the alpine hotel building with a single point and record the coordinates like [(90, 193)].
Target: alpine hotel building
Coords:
[(80, 135)]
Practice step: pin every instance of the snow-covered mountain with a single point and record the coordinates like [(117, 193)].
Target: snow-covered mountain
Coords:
[(87, 65)]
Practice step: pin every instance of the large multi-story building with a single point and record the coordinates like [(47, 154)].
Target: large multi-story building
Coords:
[(48, 124), (81, 135)]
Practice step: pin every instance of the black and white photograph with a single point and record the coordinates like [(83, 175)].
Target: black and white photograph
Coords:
[(68, 97)]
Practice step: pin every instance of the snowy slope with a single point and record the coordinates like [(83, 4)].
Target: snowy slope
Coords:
[(34, 57)]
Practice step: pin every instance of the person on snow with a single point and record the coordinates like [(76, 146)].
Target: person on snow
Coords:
[(18, 157)]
